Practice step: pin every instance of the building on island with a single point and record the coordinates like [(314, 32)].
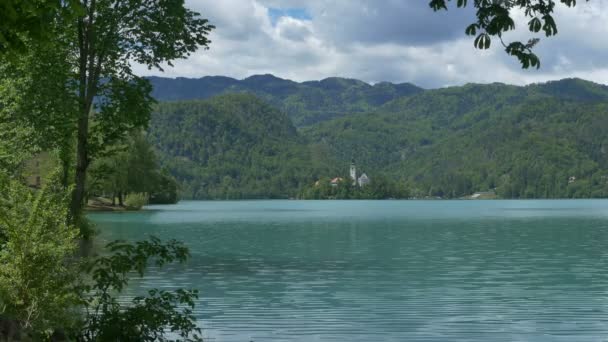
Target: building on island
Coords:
[(356, 181), (363, 180), (353, 172), (336, 181), (360, 181)]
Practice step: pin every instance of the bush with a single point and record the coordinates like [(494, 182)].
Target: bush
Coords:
[(146, 318), (36, 277), (46, 293), (136, 201)]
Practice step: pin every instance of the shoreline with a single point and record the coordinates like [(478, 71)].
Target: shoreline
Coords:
[(101, 204)]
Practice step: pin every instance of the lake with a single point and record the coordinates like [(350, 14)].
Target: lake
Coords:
[(385, 270)]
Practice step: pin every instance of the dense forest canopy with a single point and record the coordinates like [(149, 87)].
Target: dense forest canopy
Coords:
[(538, 141), (306, 103), (231, 147)]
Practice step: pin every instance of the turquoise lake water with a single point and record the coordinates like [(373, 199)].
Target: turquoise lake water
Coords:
[(385, 270)]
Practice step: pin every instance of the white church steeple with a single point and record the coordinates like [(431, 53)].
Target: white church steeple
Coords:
[(353, 172)]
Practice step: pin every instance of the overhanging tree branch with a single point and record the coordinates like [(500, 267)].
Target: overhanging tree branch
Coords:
[(494, 17)]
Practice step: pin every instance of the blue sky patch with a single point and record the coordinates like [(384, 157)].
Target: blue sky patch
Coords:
[(296, 13)]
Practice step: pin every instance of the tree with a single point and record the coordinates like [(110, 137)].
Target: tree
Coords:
[(166, 189), (36, 275), (40, 101), (132, 167), (109, 175), (495, 18), (108, 36), (21, 20)]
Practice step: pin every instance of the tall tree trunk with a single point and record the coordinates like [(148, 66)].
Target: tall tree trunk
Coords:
[(66, 163), (65, 173), (120, 201), (88, 74), (82, 163)]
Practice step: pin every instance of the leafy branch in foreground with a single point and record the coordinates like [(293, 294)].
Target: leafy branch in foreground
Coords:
[(21, 20), (496, 17), (146, 318), (36, 274), (47, 293)]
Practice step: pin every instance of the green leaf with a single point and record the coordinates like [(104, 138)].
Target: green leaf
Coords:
[(549, 27), (471, 30), (483, 41), (437, 5), (535, 25)]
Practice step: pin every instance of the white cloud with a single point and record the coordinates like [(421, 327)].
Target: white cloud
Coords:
[(392, 40)]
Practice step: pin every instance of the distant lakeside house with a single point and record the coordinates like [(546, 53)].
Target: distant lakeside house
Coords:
[(336, 181), (491, 194)]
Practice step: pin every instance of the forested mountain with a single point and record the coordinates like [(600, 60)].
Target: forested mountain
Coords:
[(306, 103), (522, 141), (232, 147), (545, 140)]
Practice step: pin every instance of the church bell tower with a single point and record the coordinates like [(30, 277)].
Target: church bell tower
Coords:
[(353, 172)]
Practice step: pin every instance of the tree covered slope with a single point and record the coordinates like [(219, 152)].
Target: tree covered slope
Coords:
[(231, 147), (306, 103), (523, 142)]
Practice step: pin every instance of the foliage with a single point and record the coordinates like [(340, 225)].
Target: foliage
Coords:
[(35, 271), (136, 201), (101, 39), (146, 318), (232, 147), (131, 167), (22, 20), (497, 17), (306, 103), (15, 148), (44, 292), (38, 108), (521, 141), (166, 190), (42, 289)]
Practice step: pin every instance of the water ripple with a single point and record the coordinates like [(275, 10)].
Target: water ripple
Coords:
[(532, 274)]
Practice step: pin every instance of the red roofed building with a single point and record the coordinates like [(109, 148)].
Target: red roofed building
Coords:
[(335, 181)]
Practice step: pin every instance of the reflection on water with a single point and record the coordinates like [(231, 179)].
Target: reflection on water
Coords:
[(387, 270)]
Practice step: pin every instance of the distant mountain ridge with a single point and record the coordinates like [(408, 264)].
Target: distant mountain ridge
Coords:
[(311, 102), (306, 103)]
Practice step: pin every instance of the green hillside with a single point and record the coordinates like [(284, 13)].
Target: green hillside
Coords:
[(306, 103), (231, 147), (523, 141), (540, 141)]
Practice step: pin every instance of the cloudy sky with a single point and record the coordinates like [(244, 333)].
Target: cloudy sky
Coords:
[(385, 40)]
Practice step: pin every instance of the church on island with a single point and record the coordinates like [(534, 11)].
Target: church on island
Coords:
[(360, 181)]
